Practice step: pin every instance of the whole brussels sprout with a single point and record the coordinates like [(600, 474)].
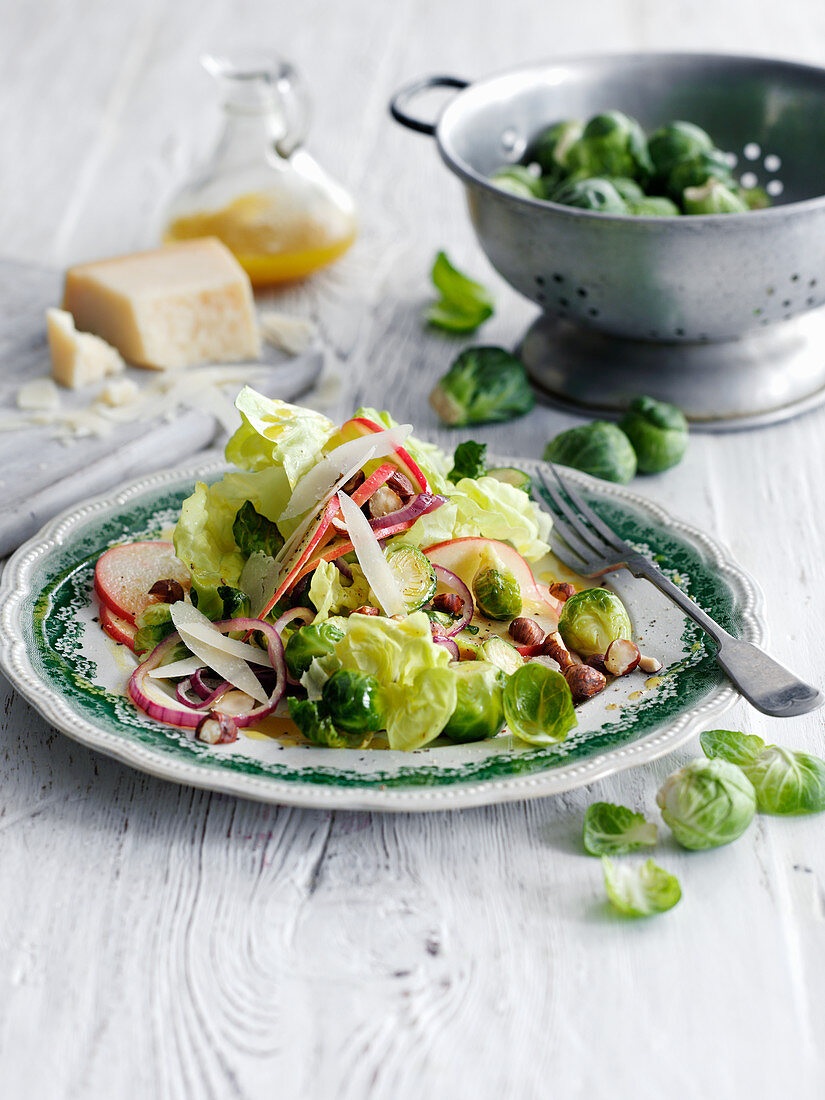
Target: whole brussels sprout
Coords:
[(319, 728), (599, 448), (629, 189), (354, 701), (712, 198), (589, 194), (755, 198), (654, 206), (707, 803), (612, 144), (551, 147), (308, 643), (658, 433), (674, 143), (519, 180), (497, 593), (697, 170), (591, 619), (484, 384), (479, 709)]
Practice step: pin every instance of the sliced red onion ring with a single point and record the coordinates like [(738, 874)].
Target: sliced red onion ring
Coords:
[(305, 614), (159, 704), (416, 506), (343, 568), (206, 697), (450, 644), (451, 583), (203, 689)]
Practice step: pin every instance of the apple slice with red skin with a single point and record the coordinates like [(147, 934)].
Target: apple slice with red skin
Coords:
[(119, 630), (463, 557), (124, 574), (362, 425), (364, 491), (337, 549)]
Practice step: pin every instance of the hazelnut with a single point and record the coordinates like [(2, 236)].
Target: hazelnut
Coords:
[(560, 590), (383, 501), (365, 609), (650, 664), (448, 602), (167, 591), (217, 729), (596, 660), (354, 483), (584, 682), (554, 647), (526, 632), (622, 657), (401, 486)]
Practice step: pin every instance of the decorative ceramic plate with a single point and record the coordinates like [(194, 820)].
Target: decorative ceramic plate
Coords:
[(53, 651)]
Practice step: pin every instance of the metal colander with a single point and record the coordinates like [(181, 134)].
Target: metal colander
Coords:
[(707, 311)]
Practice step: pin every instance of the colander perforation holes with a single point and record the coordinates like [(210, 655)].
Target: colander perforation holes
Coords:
[(581, 291), (558, 278), (564, 303)]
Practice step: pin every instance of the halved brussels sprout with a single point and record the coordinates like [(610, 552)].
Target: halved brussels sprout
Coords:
[(612, 144), (551, 147), (479, 709), (707, 803), (308, 643), (538, 705), (591, 619), (497, 593), (674, 143), (599, 448), (519, 180), (413, 573), (499, 653), (511, 475), (592, 193), (658, 433), (712, 198), (354, 701)]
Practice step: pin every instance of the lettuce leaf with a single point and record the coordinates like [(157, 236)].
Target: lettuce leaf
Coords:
[(274, 433), (203, 536), (331, 594)]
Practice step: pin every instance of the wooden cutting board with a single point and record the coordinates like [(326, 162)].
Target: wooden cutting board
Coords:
[(40, 475)]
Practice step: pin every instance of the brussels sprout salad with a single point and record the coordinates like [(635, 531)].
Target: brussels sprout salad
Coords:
[(611, 166), (363, 585)]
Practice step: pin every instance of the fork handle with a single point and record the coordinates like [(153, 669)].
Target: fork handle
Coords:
[(766, 684)]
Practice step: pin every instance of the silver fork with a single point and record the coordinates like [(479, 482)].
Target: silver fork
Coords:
[(591, 548)]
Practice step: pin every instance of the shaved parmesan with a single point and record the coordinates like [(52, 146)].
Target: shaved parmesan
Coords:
[(250, 653), (214, 653), (291, 334), (39, 395), (187, 667), (350, 456), (371, 558)]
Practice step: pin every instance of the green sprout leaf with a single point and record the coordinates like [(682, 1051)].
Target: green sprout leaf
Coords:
[(252, 531), (611, 830), (787, 782), (736, 748), (538, 705), (469, 461), (640, 890), (464, 304), (483, 385)]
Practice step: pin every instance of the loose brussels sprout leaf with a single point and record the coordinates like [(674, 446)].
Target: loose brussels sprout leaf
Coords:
[(658, 433), (538, 705), (464, 304), (674, 143), (736, 748), (355, 701), (469, 460), (654, 206), (497, 593), (641, 890), (611, 830), (591, 619), (308, 643), (589, 194), (153, 624), (712, 198), (787, 782), (519, 180), (319, 728), (479, 707), (600, 449), (484, 384), (252, 531), (707, 803), (413, 573), (235, 602), (697, 170), (612, 144), (551, 147)]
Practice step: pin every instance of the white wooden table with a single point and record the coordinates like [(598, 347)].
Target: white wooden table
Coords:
[(157, 941)]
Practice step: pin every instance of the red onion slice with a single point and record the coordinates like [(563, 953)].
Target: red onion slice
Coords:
[(343, 568), (305, 614), (449, 644), (449, 582), (159, 704), (416, 506)]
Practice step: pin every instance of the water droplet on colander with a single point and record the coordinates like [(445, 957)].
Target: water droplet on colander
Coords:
[(752, 150), (772, 162), (775, 187)]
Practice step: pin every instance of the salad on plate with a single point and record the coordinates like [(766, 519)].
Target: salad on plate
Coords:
[(364, 585)]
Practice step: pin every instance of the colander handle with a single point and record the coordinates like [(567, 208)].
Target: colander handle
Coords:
[(404, 96)]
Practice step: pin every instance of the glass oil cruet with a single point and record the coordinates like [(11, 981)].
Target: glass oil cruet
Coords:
[(263, 195)]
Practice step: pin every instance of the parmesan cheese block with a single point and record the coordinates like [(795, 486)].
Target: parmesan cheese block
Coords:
[(189, 302), (78, 358)]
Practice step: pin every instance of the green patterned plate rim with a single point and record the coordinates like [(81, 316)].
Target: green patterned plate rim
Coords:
[(55, 654)]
